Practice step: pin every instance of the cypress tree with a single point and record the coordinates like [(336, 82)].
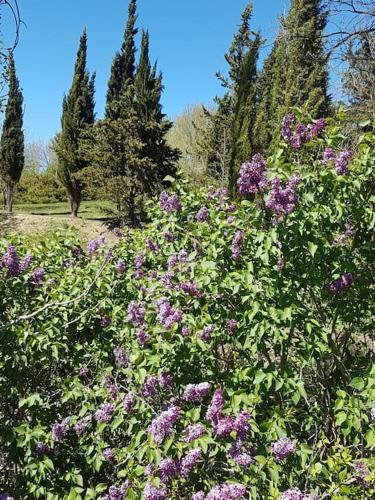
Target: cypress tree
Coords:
[(306, 81), (152, 122), (231, 131), (12, 156), (123, 67), (78, 114)]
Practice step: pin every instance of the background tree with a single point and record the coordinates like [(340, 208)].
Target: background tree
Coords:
[(12, 138), (123, 67), (187, 135), (152, 123), (230, 135), (359, 79), (78, 113)]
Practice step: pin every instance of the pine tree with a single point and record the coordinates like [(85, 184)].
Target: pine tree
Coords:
[(152, 122), (306, 81), (359, 80), (123, 66), (78, 114), (12, 156), (231, 131)]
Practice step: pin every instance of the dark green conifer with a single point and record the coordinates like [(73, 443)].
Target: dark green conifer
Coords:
[(123, 66), (12, 156), (78, 114)]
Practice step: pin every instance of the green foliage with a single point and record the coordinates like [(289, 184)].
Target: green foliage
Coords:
[(299, 359), (12, 153)]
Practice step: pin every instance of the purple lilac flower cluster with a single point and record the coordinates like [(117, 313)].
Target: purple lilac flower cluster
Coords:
[(296, 494), (60, 429), (196, 392), (252, 177), (117, 493), (136, 313), (139, 262), (94, 245), (190, 461), (121, 357), (105, 413), (143, 337), (362, 473), (191, 289), (216, 406), (38, 276), (237, 244), (203, 214), (300, 134), (109, 455), (80, 427), (341, 284), (193, 432), (283, 198), (168, 468), (282, 448), (42, 448), (153, 384), (166, 314), (12, 262), (232, 325), (152, 492), (129, 402), (232, 491), (168, 203), (339, 160), (206, 333), (120, 266), (161, 427)]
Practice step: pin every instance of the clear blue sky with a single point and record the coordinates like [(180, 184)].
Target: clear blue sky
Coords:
[(188, 38)]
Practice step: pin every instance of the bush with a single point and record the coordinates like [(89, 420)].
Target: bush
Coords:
[(224, 351)]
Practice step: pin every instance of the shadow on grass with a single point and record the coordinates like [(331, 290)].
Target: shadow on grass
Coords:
[(7, 223)]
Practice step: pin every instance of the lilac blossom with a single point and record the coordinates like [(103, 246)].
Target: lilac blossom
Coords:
[(60, 429), (26, 262), (120, 266), (328, 156), (139, 262), (283, 197), (194, 431), (191, 289), (206, 333), (10, 261), (242, 424), (161, 426), (165, 380), (143, 337), (80, 427), (109, 455), (362, 473), (129, 402), (105, 321), (341, 284), (186, 331), (118, 232), (38, 276), (150, 387), (168, 236), (252, 177), (136, 313), (283, 448), (169, 203), (202, 215), (152, 245), (215, 409), (121, 357), (224, 426), (152, 492), (199, 495), (296, 494), (167, 469), (117, 493), (197, 392), (232, 325), (190, 461), (42, 448), (237, 244), (105, 412), (231, 491), (167, 316), (342, 162)]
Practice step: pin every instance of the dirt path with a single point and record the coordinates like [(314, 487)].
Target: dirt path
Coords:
[(39, 224)]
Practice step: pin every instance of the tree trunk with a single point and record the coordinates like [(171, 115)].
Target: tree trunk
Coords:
[(74, 201), (9, 197)]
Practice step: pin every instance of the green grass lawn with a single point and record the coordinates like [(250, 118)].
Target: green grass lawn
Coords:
[(95, 210)]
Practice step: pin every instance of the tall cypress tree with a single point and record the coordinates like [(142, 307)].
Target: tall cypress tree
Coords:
[(12, 156), (123, 67), (78, 114), (295, 73), (152, 122), (231, 131), (307, 72)]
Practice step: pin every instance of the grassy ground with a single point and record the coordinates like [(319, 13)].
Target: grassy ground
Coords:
[(94, 219)]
